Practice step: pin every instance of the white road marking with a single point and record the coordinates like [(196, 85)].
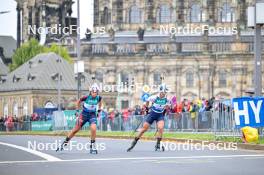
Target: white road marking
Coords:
[(47, 157), (135, 158)]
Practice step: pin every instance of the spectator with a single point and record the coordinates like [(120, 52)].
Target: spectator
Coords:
[(9, 124), (15, 121), (2, 126), (103, 117)]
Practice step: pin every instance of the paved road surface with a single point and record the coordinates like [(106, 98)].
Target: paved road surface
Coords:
[(15, 158)]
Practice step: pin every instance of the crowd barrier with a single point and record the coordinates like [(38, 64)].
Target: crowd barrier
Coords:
[(219, 121)]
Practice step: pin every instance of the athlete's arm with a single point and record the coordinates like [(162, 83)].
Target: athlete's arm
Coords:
[(80, 101), (100, 104), (150, 99)]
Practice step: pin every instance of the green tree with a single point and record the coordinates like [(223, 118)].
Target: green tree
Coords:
[(32, 48), (62, 51)]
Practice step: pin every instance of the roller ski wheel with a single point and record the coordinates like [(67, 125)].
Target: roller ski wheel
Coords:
[(93, 151), (159, 148), (61, 148)]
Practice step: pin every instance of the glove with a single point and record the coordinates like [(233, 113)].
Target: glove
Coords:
[(145, 108), (98, 112)]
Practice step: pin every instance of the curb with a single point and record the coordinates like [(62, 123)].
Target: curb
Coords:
[(245, 146)]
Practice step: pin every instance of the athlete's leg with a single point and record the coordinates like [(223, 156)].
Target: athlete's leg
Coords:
[(93, 131), (79, 123), (93, 122), (160, 128), (73, 132), (143, 130)]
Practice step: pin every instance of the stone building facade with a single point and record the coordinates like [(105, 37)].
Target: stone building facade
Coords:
[(127, 15), (194, 65), (41, 13)]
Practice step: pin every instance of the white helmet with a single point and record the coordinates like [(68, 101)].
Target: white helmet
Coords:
[(94, 88), (163, 88)]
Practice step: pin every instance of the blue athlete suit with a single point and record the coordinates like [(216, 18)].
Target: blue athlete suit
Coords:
[(88, 113), (157, 109)]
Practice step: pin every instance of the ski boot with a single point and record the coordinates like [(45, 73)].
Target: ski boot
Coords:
[(93, 149), (62, 146), (133, 144), (159, 148)]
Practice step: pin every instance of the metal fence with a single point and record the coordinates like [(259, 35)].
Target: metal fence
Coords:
[(219, 121), (16, 126), (207, 121)]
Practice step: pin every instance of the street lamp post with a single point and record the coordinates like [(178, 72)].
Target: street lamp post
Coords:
[(78, 70), (59, 87), (59, 71), (78, 49), (256, 21)]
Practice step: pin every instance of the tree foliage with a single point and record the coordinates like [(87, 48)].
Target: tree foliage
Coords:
[(32, 48)]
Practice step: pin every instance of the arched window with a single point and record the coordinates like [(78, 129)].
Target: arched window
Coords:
[(105, 18), (226, 14), (25, 108), (99, 76), (5, 109), (164, 14), (49, 105), (222, 79), (135, 15), (189, 79), (15, 109), (196, 13), (124, 78), (157, 78)]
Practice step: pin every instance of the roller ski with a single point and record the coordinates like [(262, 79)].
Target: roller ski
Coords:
[(93, 149), (158, 146), (61, 148), (133, 144)]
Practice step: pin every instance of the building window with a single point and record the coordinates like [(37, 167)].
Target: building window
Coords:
[(49, 105), (25, 108), (15, 109), (124, 78), (135, 15), (222, 79), (226, 14), (5, 109), (124, 104), (106, 16), (119, 11), (189, 79), (157, 78), (196, 13), (164, 14), (99, 76)]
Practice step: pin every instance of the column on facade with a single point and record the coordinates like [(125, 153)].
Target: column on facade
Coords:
[(18, 25), (178, 85), (211, 5), (25, 14), (206, 78), (181, 10)]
